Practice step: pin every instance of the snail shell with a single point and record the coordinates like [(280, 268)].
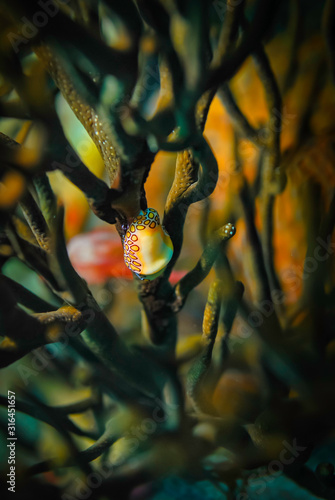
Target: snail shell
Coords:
[(147, 246)]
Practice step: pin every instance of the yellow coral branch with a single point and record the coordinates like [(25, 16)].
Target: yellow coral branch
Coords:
[(96, 125)]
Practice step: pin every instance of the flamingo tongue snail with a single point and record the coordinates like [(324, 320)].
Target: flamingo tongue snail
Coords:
[(147, 246)]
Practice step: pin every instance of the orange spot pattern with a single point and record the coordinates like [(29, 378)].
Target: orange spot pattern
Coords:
[(148, 219)]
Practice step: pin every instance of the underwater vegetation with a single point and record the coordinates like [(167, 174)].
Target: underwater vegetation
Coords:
[(167, 212)]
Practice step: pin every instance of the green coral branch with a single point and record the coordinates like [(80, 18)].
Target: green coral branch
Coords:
[(62, 269), (187, 62), (248, 207), (314, 289), (228, 32), (60, 423), (78, 38), (29, 207), (295, 29), (79, 406), (62, 157), (196, 386), (194, 277), (46, 198), (102, 444), (328, 31), (190, 41), (26, 298), (102, 339), (97, 126), (23, 332), (111, 380), (59, 154), (272, 178), (263, 16), (230, 308), (24, 231), (34, 257), (195, 179), (36, 221), (208, 173), (110, 139), (202, 109), (239, 119), (16, 323), (130, 197), (38, 413)]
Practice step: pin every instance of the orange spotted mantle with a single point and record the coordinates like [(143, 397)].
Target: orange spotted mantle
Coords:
[(147, 246)]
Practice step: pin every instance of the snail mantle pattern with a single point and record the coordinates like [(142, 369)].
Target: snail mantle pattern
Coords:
[(147, 247)]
